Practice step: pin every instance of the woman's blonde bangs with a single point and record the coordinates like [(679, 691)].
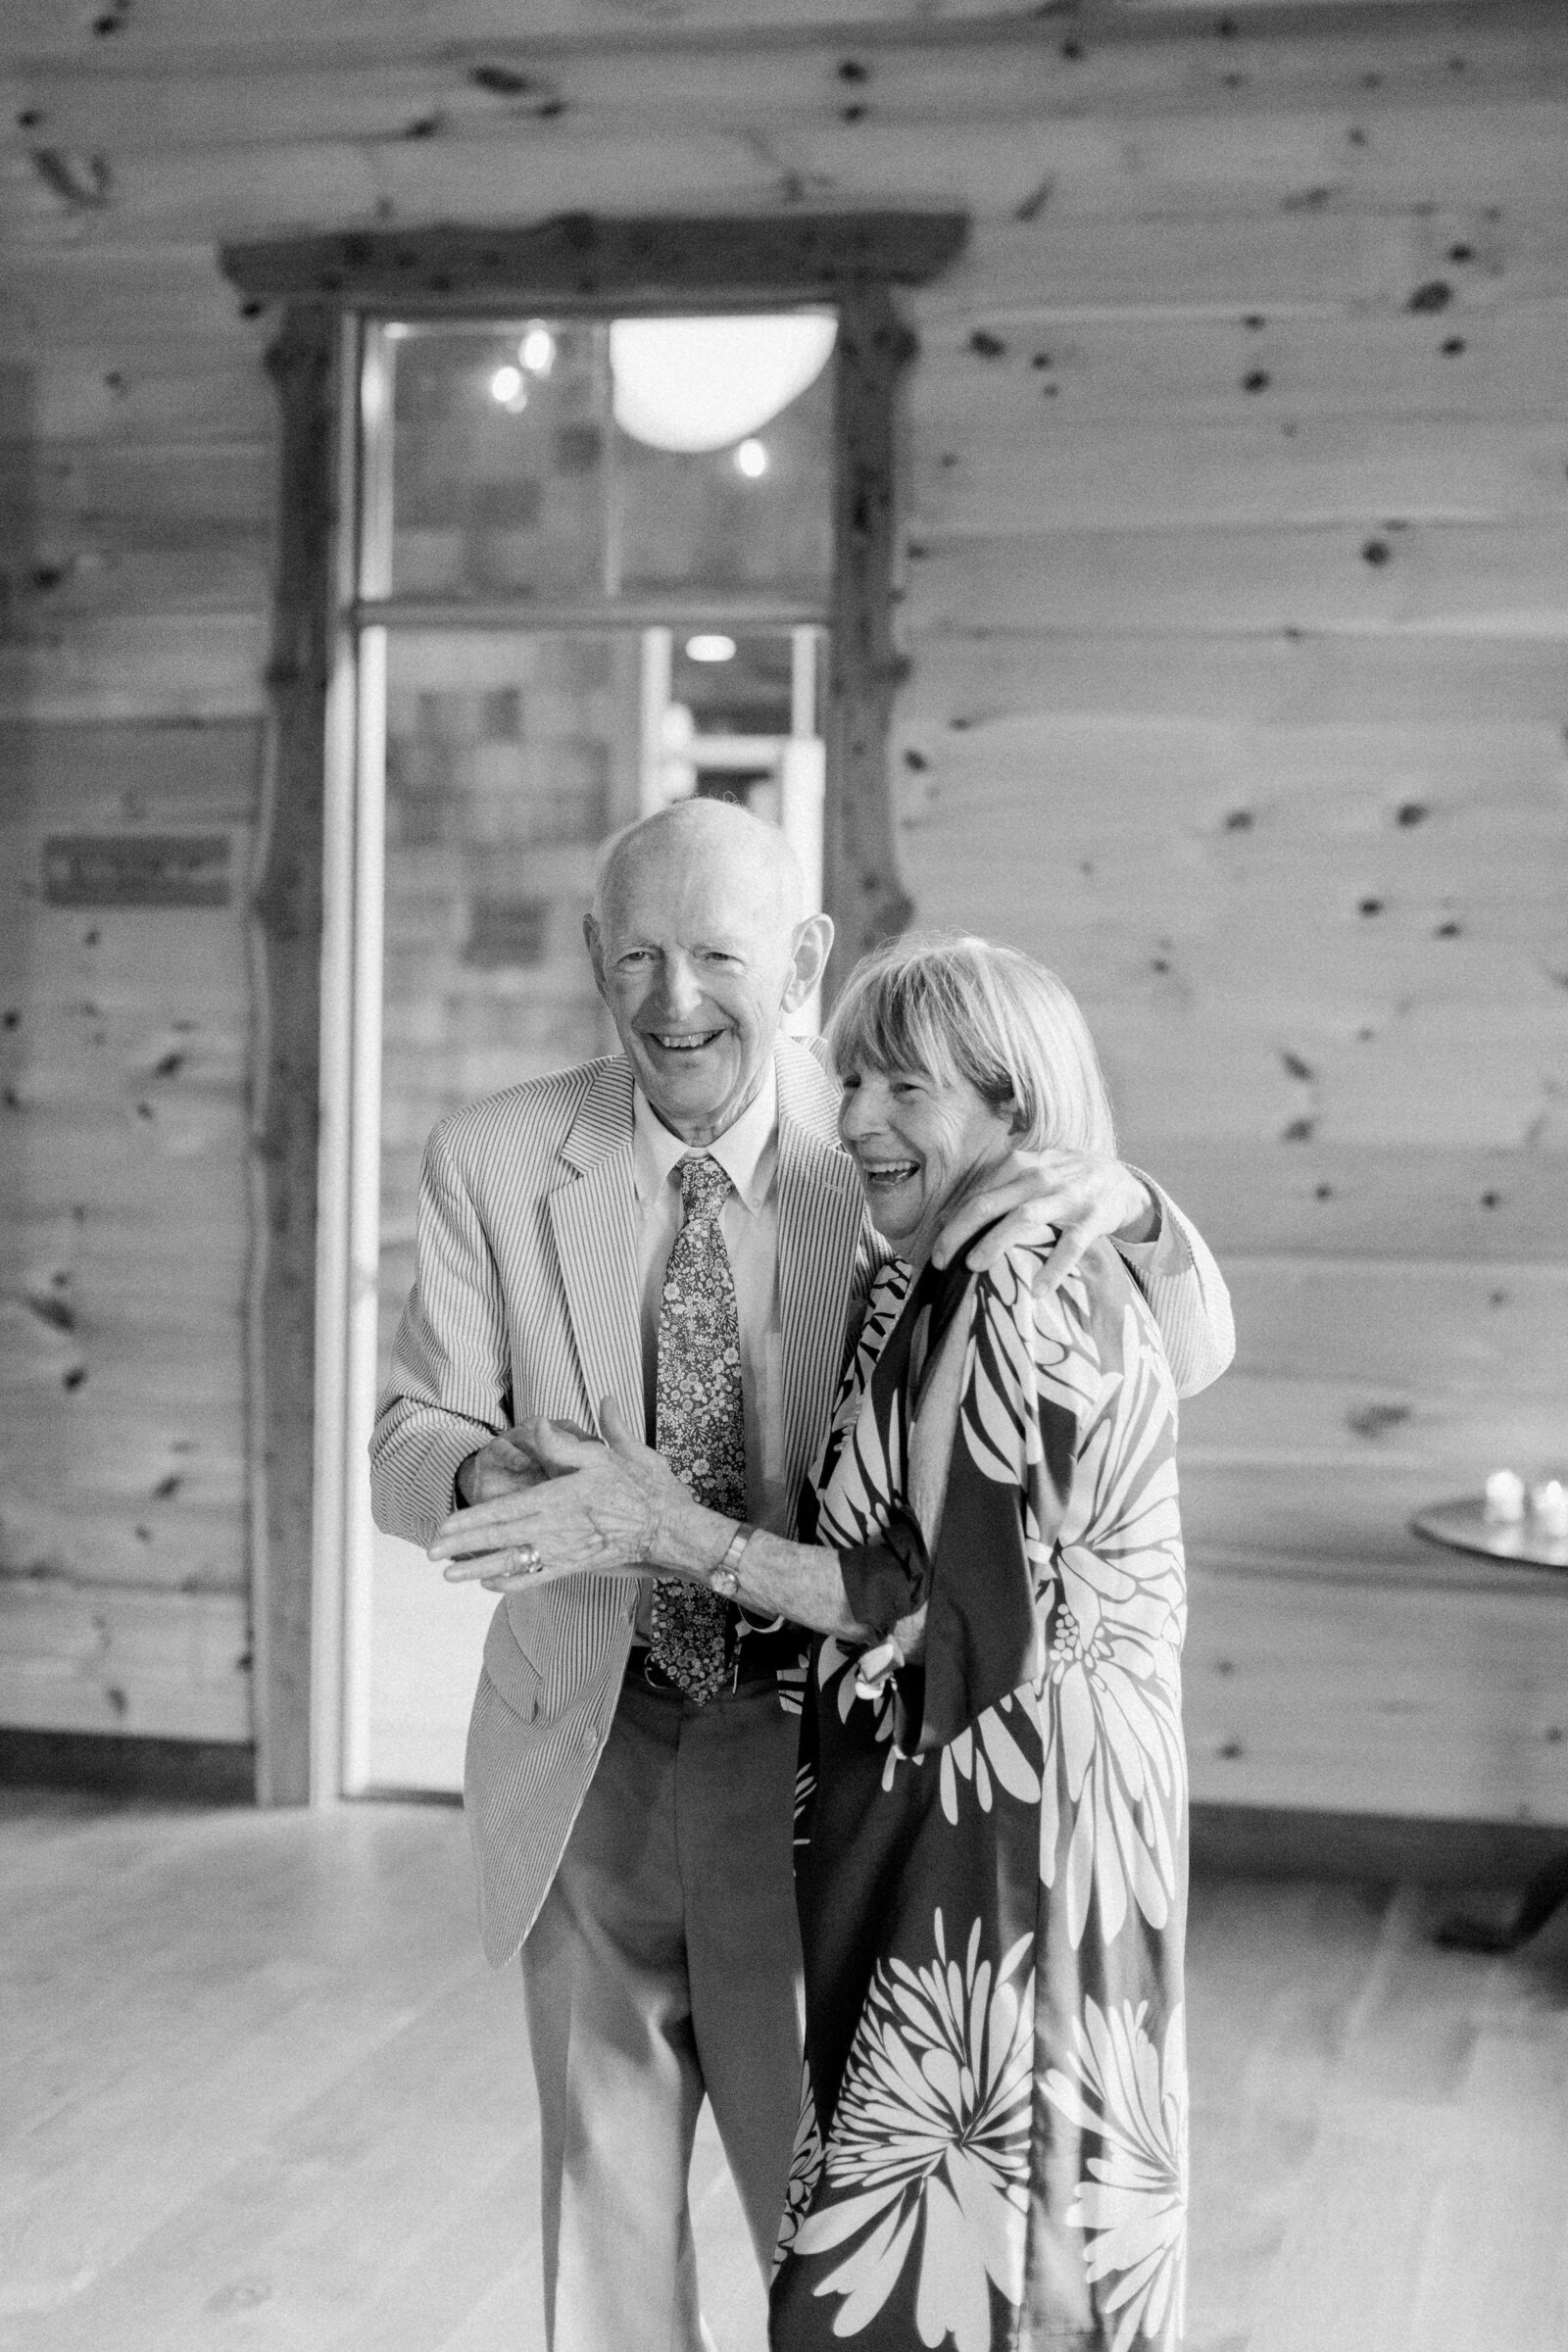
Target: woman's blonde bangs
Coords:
[(947, 1009), (890, 1016)]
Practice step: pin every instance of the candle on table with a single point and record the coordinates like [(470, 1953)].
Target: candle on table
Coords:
[(1549, 1507)]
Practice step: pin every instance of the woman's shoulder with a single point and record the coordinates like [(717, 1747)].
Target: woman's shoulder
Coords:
[(1096, 1308), (1100, 1272)]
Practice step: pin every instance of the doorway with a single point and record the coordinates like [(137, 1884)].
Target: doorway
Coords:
[(572, 604)]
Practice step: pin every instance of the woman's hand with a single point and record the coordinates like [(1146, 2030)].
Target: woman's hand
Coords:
[(598, 1510), (500, 1467), (1070, 1197)]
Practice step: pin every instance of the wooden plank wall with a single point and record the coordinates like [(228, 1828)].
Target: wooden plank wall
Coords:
[(122, 1244), (1233, 591)]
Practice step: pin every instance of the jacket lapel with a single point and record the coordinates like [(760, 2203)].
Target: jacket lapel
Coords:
[(593, 1217), (820, 1217)]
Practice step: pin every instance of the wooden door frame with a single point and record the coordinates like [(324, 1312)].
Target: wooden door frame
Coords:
[(581, 262)]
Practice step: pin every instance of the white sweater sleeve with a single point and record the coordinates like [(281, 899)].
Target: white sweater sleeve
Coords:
[(1187, 1296)]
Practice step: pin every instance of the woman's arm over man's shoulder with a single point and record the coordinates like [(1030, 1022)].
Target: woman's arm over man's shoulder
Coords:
[(1070, 1198), (1186, 1295)]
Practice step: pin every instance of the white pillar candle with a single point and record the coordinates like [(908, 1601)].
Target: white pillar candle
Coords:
[(1549, 1507), (1506, 1499)]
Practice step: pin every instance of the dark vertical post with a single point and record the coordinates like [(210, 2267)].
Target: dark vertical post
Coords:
[(286, 907), (862, 891)]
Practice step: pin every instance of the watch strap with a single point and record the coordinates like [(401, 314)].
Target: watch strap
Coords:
[(725, 1578)]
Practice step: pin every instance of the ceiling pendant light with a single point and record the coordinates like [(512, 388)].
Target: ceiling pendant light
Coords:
[(695, 384), (537, 350)]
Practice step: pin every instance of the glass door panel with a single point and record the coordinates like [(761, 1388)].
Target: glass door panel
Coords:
[(568, 615), (510, 472), (508, 759)]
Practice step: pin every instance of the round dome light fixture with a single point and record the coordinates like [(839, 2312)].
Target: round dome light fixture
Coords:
[(698, 384), (710, 645)]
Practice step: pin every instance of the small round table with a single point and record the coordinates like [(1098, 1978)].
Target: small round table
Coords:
[(1464, 1526)]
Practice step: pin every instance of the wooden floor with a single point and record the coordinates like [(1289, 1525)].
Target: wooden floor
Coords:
[(256, 2089)]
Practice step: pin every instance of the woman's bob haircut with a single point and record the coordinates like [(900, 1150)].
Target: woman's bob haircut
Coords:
[(947, 1009)]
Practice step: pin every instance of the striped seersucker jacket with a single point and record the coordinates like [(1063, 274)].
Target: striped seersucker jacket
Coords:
[(527, 1300)]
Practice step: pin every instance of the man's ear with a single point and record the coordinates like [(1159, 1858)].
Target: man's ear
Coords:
[(596, 954), (813, 944)]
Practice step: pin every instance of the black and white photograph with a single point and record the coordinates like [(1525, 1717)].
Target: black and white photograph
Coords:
[(784, 1176)]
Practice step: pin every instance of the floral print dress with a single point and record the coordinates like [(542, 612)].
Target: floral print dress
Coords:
[(991, 1853)]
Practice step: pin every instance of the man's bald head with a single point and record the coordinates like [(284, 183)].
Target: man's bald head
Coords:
[(750, 857), (699, 945)]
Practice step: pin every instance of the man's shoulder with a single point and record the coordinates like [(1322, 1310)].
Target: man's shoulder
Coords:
[(539, 1112), (807, 1094)]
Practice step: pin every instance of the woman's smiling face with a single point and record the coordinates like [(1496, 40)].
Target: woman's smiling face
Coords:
[(918, 1143)]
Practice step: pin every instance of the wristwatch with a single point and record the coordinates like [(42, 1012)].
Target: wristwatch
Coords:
[(725, 1578)]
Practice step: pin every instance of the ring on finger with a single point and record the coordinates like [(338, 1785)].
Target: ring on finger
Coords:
[(526, 1561)]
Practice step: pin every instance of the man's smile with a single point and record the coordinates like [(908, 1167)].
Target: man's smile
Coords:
[(671, 1041)]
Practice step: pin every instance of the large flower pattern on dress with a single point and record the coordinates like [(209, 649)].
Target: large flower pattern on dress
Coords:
[(1112, 1580), (1103, 1731), (806, 2169), (928, 2156), (1003, 1745), (1131, 2096), (1103, 1736), (856, 1458), (925, 2178)]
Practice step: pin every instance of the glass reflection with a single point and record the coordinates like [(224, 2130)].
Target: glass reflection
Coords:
[(510, 478)]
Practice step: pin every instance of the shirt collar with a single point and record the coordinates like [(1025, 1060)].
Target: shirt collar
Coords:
[(747, 1151)]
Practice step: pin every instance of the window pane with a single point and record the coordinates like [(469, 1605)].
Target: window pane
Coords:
[(498, 461), (749, 692), (757, 516), (510, 478), (509, 757), (730, 719)]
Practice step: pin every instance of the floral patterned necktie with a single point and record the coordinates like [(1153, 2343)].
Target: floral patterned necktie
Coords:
[(699, 1428)]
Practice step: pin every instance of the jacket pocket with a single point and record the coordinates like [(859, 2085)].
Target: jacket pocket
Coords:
[(516, 1679)]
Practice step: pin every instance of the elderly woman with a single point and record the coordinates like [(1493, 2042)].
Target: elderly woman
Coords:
[(991, 1836), (992, 1839)]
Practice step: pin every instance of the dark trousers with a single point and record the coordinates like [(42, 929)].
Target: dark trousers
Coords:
[(665, 1965)]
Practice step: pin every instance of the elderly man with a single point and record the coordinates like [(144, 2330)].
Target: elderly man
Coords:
[(675, 1228)]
